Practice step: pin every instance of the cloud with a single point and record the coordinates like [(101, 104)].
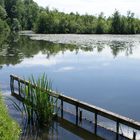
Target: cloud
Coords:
[(65, 69), (38, 59), (92, 6)]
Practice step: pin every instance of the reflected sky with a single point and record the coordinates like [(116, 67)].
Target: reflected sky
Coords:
[(104, 75)]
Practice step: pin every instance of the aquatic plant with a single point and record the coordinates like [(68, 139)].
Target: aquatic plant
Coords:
[(38, 105)]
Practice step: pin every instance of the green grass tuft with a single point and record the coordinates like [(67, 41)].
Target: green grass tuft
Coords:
[(9, 129), (38, 104)]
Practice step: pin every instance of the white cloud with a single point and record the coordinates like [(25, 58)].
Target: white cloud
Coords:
[(38, 59), (93, 6), (65, 69)]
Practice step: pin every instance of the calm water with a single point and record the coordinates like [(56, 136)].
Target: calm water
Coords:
[(103, 70)]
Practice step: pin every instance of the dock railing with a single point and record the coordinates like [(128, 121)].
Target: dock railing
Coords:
[(78, 104)]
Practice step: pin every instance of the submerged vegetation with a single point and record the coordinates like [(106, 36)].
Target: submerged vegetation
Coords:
[(27, 15), (9, 129)]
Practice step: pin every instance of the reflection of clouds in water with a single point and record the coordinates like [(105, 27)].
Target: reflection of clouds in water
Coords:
[(93, 67), (106, 64), (83, 59), (39, 59), (136, 53), (98, 66), (63, 69), (71, 68)]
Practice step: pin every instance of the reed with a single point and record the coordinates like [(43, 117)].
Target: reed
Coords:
[(38, 105)]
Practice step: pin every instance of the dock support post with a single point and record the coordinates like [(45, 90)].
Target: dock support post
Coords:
[(80, 116), (95, 118), (134, 135), (12, 84), (19, 87), (61, 108), (76, 114), (117, 130)]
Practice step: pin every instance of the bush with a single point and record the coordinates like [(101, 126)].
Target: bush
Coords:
[(9, 129)]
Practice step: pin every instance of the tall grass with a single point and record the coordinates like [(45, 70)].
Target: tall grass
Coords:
[(38, 105), (9, 129)]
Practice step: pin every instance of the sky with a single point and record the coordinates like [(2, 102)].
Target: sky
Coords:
[(93, 7)]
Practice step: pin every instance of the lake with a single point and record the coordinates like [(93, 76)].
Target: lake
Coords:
[(103, 70)]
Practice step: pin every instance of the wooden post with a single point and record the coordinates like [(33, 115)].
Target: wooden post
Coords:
[(95, 118), (11, 81), (80, 116), (134, 135), (76, 114), (12, 84), (117, 130), (61, 108), (19, 91)]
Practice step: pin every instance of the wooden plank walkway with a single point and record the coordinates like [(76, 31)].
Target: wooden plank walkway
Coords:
[(79, 104)]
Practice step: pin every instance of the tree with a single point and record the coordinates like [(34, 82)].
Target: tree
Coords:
[(124, 25), (116, 23), (15, 25), (30, 15), (101, 24), (131, 23), (4, 28), (41, 23), (3, 13), (2, 3)]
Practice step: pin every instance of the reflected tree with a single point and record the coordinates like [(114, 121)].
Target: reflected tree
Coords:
[(15, 48)]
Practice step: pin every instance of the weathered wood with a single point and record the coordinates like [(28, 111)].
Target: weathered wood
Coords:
[(117, 130), (61, 108), (134, 135), (12, 84), (18, 97), (117, 127), (80, 116), (19, 90), (96, 121), (102, 112), (76, 115)]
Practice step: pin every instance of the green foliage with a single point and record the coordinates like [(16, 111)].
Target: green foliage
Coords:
[(15, 25), (124, 25), (21, 14), (4, 31), (4, 28), (9, 129), (31, 11), (116, 23), (2, 3), (56, 22), (38, 104), (3, 13), (27, 15), (42, 24), (101, 24)]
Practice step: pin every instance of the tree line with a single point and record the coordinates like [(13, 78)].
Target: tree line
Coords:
[(18, 15)]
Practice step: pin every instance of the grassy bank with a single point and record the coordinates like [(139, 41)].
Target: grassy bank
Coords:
[(9, 129)]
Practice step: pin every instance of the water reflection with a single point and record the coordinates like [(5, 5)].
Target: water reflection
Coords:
[(105, 72), (16, 48)]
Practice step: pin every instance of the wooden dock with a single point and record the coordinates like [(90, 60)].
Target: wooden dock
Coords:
[(118, 119)]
